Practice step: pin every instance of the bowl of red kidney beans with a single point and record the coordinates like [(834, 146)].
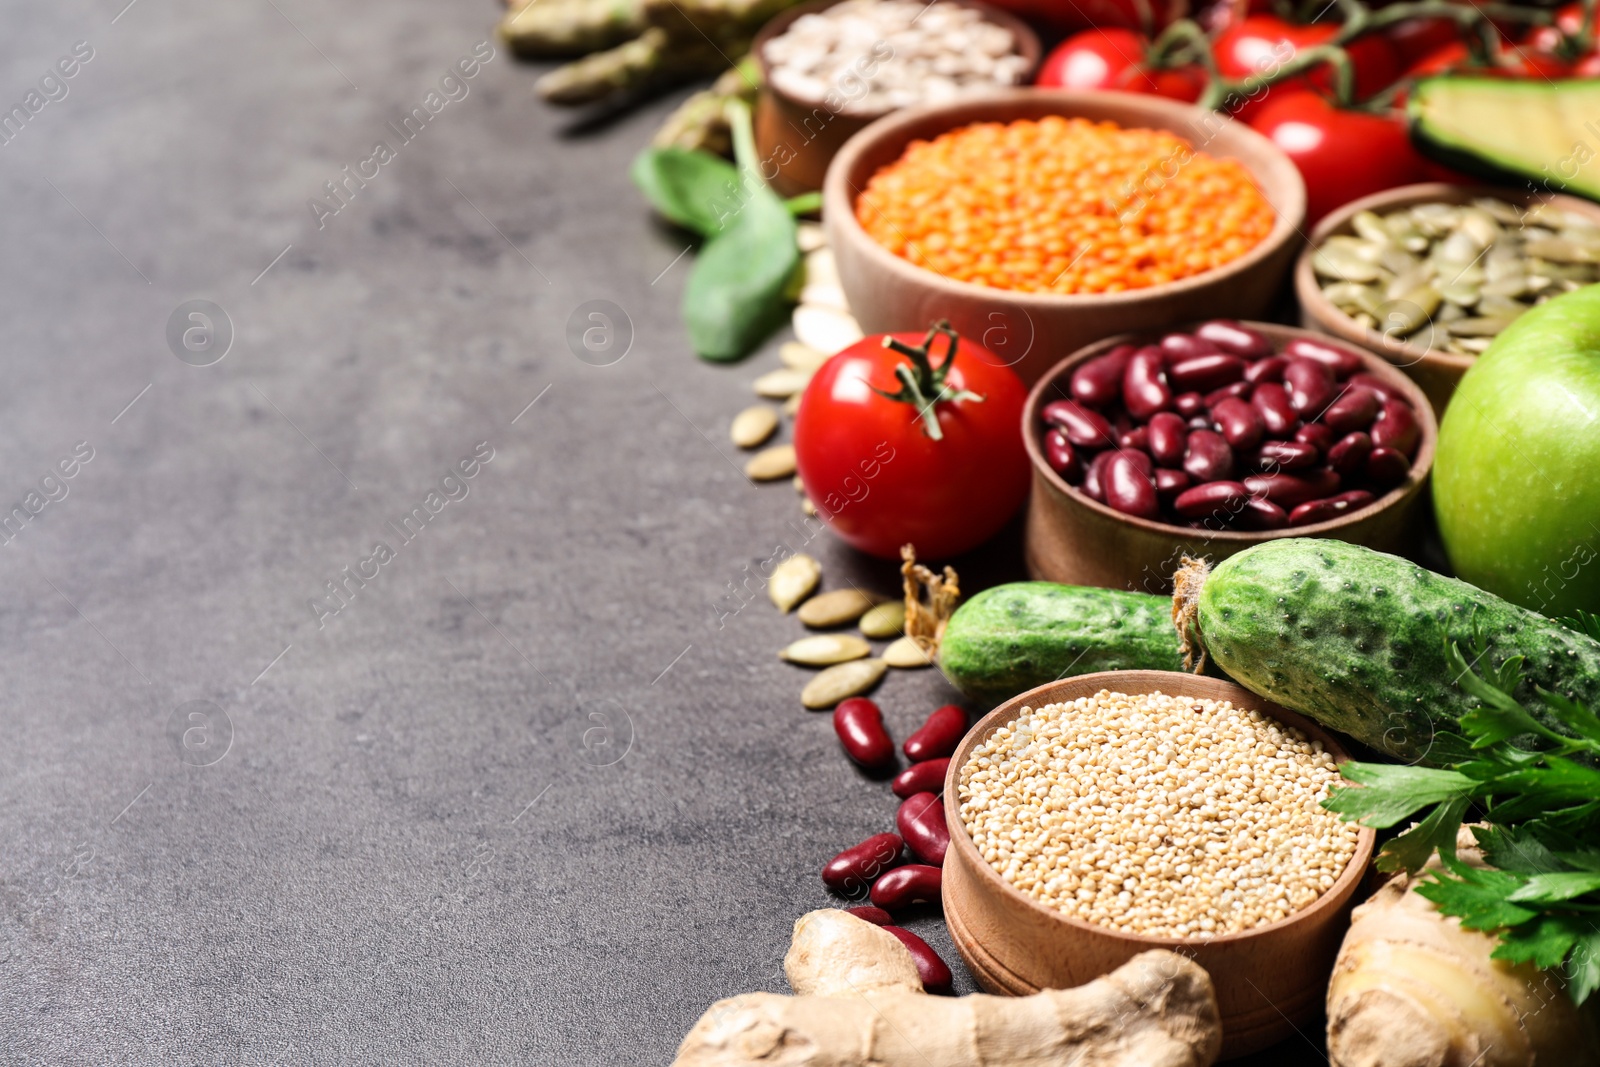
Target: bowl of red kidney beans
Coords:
[(1204, 440)]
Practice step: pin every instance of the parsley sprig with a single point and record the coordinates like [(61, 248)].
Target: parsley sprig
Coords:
[(1534, 797)]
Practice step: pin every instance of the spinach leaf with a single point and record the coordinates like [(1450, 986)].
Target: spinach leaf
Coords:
[(696, 190)]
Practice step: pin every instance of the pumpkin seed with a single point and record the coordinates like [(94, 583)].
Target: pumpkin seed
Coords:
[(835, 608), (808, 507), (841, 681), (1477, 327), (1460, 294), (884, 620), (809, 236), (1561, 250), (1473, 345), (1340, 263), (801, 357), (906, 654), (825, 329), (792, 406), (1370, 227), (799, 485), (824, 650), (824, 295), (770, 464), (793, 580), (753, 425), (782, 383)]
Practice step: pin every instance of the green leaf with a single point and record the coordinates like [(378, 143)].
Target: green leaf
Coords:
[(1556, 887), (1585, 622), (1509, 675), (696, 190), (1417, 845), (1543, 942), (1579, 719), (1391, 793), (1477, 897), (1500, 717), (804, 204), (1583, 969), (735, 294), (1515, 849)]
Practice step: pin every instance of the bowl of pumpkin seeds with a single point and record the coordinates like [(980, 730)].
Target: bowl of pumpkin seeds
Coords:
[(1428, 275)]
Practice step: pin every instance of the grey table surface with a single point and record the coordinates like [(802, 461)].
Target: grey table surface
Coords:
[(537, 792)]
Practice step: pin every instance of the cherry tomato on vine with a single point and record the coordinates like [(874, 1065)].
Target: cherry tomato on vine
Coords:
[(1510, 62), (908, 445), (1543, 45), (1113, 59), (1414, 39), (1261, 44), (1342, 155), (1150, 16)]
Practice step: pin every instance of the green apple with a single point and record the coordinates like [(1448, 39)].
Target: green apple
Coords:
[(1516, 481)]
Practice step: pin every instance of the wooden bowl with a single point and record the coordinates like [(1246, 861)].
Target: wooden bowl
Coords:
[(1072, 539), (1269, 980), (801, 137), (1437, 372), (1031, 331)]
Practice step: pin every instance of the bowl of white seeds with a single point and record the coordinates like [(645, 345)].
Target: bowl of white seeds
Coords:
[(1100, 816), (830, 67)]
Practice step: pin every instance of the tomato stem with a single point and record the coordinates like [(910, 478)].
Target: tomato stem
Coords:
[(922, 385)]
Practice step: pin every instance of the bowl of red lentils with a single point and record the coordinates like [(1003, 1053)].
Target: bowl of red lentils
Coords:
[(1100, 816), (1039, 221)]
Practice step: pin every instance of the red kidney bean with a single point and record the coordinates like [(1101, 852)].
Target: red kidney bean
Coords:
[(1310, 386), (1137, 438), (1266, 370), (1166, 438), (1181, 346), (1093, 484), (1188, 405), (1207, 457), (921, 822), (1241, 390), (938, 736), (1290, 490), (1331, 508), (925, 777), (915, 883), (1201, 421), (1239, 423), (1355, 409), (853, 870), (1287, 455), (1387, 468), (1084, 428), (1371, 381), (1210, 498), (1205, 373), (1396, 427), (876, 916), (1232, 337), (1144, 384), (1341, 361), (1314, 433), (1169, 483), (1259, 514), (1349, 454), (859, 724), (1139, 459), (1062, 457), (1277, 414), (934, 972), (1098, 381), (1129, 489)]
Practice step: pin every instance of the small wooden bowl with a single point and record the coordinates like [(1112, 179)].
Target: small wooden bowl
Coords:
[(1072, 539), (801, 137), (1269, 980), (1030, 331), (1437, 372)]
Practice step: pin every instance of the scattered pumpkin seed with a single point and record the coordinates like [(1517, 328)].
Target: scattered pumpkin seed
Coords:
[(835, 608), (884, 620), (770, 464), (841, 681), (799, 486), (792, 406), (801, 357), (824, 650), (825, 329), (808, 507), (782, 383), (793, 580), (809, 236), (753, 425), (906, 654)]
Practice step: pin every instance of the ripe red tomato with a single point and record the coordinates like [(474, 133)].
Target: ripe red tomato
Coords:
[(918, 444), (1510, 62), (1342, 155), (1541, 50), (1113, 59), (1414, 39), (1260, 44)]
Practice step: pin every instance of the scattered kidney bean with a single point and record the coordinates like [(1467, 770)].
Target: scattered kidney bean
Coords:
[(1207, 457), (1266, 370), (934, 972), (1384, 390), (1098, 382), (1144, 383), (1201, 421), (1314, 433), (1341, 361), (915, 883), (1181, 346), (1239, 423), (1259, 514), (1188, 405), (859, 724), (1355, 409), (1093, 484), (1349, 454), (925, 777), (876, 916), (1289, 490), (1387, 468), (921, 822), (1169, 483), (1128, 488), (1331, 508), (1310, 386), (1210, 498), (1062, 457), (1084, 428), (1167, 438), (1232, 337), (1277, 414), (1396, 427), (938, 736), (1205, 373), (853, 870), (1240, 390), (1287, 455), (1137, 438)]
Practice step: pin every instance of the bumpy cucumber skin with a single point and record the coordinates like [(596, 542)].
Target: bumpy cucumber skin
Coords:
[(1355, 639), (1008, 639)]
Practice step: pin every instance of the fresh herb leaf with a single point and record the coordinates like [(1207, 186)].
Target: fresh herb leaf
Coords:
[(1583, 968), (1585, 622), (804, 204), (1543, 942), (693, 189), (1476, 896), (1555, 887), (1392, 793), (1436, 833), (1515, 849), (1579, 719)]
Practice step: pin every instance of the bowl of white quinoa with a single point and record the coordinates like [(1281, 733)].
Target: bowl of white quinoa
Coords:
[(1099, 816)]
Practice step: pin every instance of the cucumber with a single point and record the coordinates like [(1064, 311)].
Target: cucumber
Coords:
[(1008, 639), (1356, 639)]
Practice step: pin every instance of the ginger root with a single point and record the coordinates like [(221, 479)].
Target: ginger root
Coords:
[(1411, 988), (861, 1004)]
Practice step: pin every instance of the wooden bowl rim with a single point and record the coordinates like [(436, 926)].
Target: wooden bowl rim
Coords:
[(1420, 466), (1028, 46), (1278, 179), (1136, 683), (1403, 353)]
